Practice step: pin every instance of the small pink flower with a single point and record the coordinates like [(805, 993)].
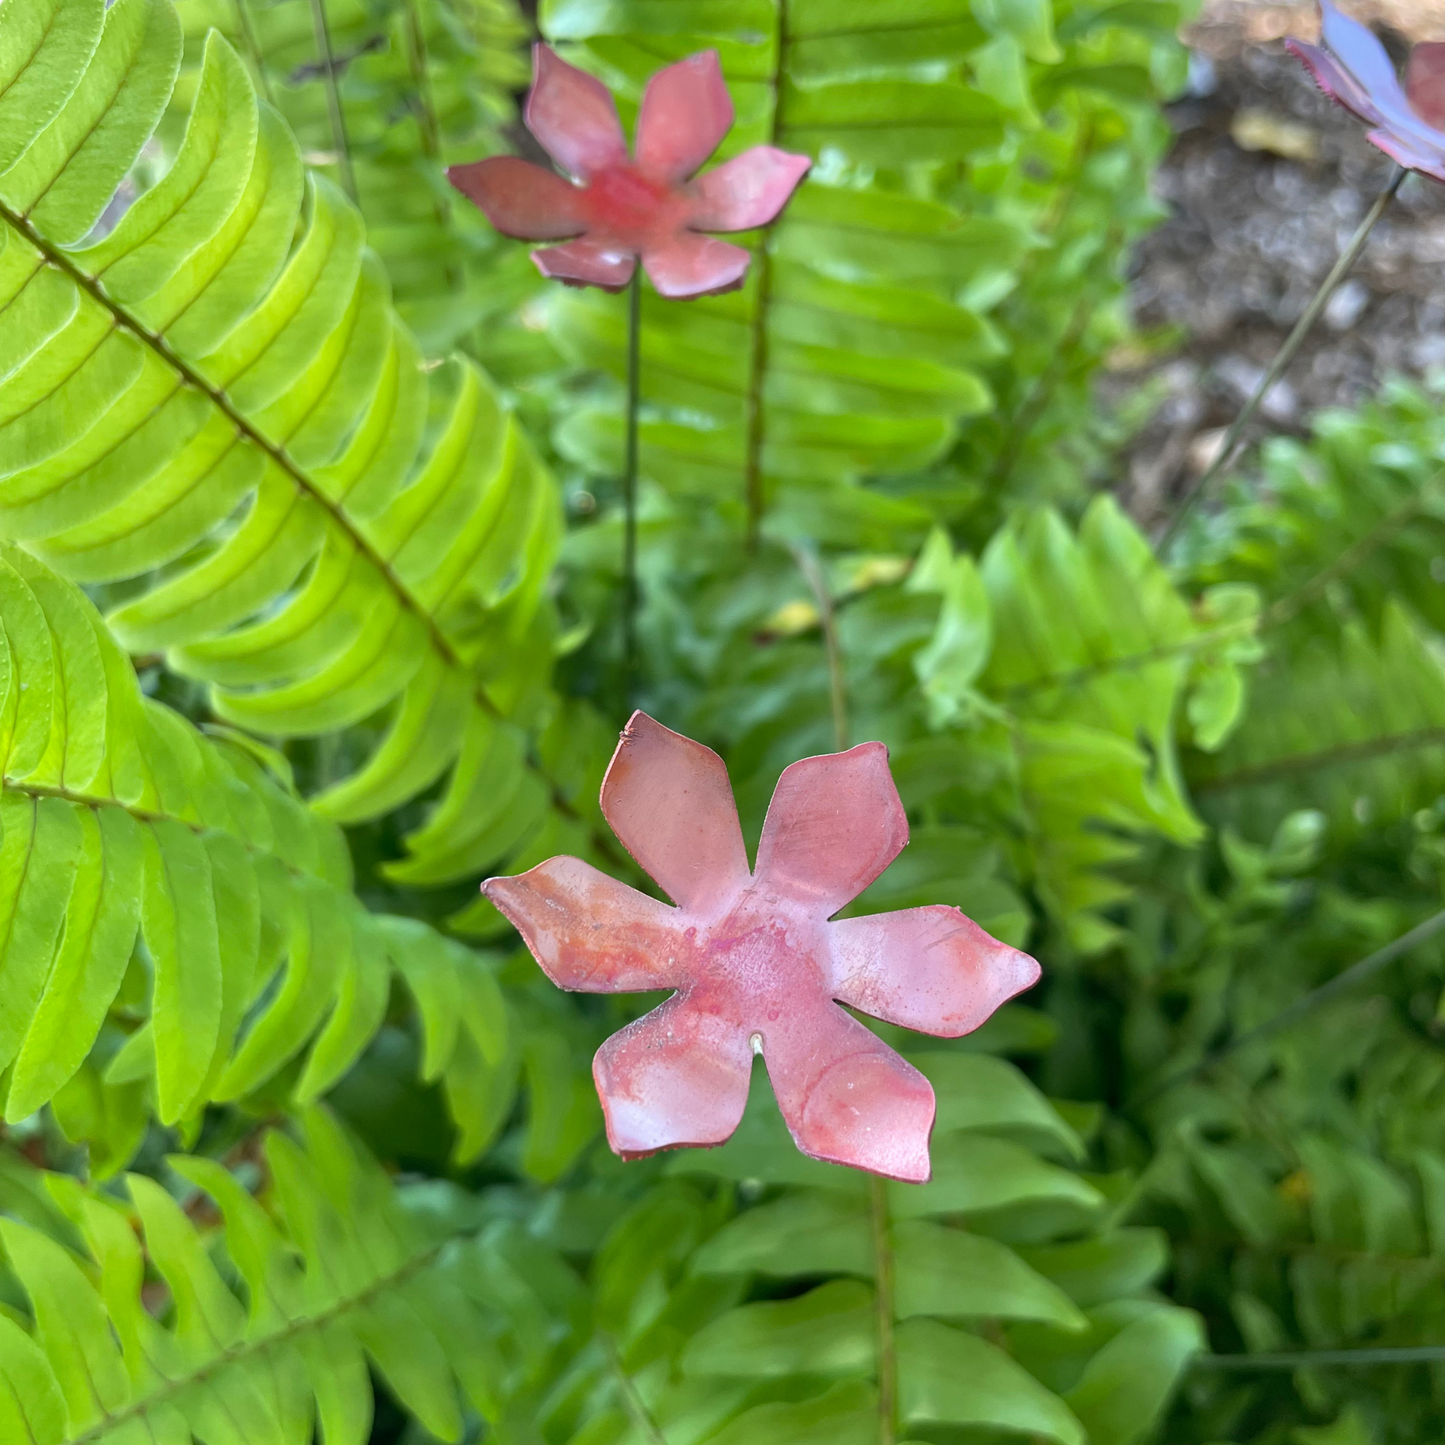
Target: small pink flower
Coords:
[(627, 207), (1353, 68), (754, 960)]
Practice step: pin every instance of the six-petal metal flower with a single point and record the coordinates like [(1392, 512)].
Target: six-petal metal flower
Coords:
[(755, 961), (1355, 69), (624, 207)]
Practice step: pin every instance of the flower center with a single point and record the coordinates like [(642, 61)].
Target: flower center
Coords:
[(761, 963), (627, 207)]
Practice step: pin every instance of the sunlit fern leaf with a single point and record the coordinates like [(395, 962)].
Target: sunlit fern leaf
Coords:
[(258, 1332), (419, 84), (197, 400), (848, 352), (1353, 725), (130, 839)]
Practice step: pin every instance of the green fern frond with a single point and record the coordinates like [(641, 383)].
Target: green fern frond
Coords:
[(327, 1274), (415, 85), (132, 841), (999, 1297), (1080, 649), (239, 420), (848, 353), (1354, 726)]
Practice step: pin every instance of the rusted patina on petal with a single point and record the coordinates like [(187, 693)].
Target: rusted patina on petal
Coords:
[(756, 959), (1352, 67), (624, 210)]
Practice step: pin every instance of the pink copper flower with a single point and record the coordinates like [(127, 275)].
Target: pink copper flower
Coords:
[(754, 960), (1355, 69), (627, 207)]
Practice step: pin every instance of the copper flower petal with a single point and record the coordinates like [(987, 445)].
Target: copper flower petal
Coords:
[(848, 1098), (669, 800), (590, 933), (1425, 83), (587, 262), (748, 190), (834, 824), (521, 199), (1355, 69), (930, 969), (688, 265), (574, 116), (677, 1077), (1336, 81), (686, 110)]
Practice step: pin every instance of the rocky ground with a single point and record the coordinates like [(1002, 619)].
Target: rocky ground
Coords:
[(1267, 181)]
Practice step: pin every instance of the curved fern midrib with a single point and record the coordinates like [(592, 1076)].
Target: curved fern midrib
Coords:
[(1093, 672), (1345, 753), (259, 1346), (150, 816), (218, 398)]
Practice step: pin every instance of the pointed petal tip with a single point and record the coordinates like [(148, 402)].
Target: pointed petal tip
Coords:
[(585, 263), (668, 798), (520, 199), (677, 1078), (573, 116), (748, 191), (834, 824), (689, 266), (685, 112)]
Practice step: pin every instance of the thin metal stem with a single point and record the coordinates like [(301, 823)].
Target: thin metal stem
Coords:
[(1303, 1359), (333, 96), (812, 570), (1372, 963), (1281, 362), (253, 49), (629, 485), (887, 1354), (754, 490)]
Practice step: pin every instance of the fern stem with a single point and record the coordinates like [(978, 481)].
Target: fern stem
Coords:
[(253, 49), (1280, 364), (753, 492), (56, 257), (258, 1346), (629, 488), (333, 96), (1358, 752), (636, 1405), (416, 61), (812, 570), (1046, 383), (883, 1295), (1290, 606), (1303, 1359), (1370, 964)]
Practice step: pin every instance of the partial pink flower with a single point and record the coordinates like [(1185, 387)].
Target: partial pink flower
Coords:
[(1355, 69), (623, 207), (755, 963)]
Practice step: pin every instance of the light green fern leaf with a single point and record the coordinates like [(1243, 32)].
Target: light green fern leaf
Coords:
[(133, 841), (416, 85), (261, 1344), (322, 528)]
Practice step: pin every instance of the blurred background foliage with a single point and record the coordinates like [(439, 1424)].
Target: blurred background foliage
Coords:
[(880, 496)]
